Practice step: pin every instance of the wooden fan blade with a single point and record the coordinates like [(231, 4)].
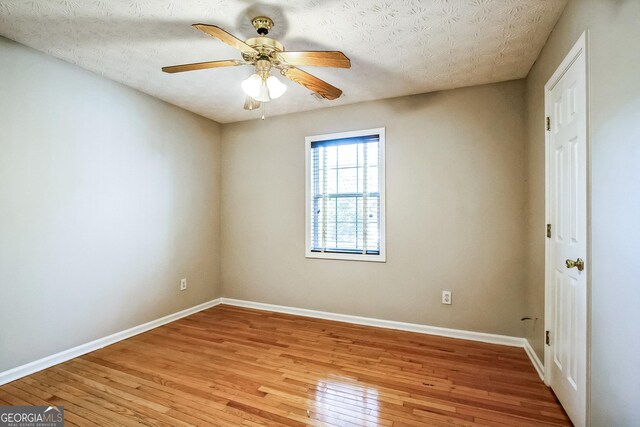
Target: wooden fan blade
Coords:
[(225, 37), (313, 83), (201, 66), (316, 59)]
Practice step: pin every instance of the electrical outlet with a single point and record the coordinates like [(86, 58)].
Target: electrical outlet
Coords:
[(183, 284), (446, 297)]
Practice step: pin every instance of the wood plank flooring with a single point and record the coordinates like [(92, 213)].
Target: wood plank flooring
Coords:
[(230, 366)]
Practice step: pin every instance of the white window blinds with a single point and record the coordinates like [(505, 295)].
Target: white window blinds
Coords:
[(345, 195)]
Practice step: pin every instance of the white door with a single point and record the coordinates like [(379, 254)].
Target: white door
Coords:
[(567, 263)]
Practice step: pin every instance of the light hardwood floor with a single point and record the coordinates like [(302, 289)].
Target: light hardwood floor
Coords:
[(231, 366)]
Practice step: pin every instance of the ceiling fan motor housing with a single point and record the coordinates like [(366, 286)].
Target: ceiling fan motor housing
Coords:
[(265, 46)]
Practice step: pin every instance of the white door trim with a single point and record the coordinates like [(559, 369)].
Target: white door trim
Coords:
[(579, 48)]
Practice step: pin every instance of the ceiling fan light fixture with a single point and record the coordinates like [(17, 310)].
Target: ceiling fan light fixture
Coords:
[(263, 93), (252, 85), (276, 87), (251, 104), (259, 89)]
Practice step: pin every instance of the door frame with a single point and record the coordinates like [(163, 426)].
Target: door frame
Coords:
[(579, 48)]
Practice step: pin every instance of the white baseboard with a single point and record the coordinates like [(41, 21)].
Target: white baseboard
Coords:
[(389, 324), (63, 356), (534, 359)]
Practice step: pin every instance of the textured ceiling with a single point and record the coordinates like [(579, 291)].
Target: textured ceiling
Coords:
[(396, 47)]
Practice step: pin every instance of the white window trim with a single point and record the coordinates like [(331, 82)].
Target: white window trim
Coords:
[(382, 257)]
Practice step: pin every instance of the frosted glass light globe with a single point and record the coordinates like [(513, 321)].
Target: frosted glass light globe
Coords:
[(251, 86), (276, 87)]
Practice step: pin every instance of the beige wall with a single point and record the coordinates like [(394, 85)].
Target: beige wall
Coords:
[(455, 203), (108, 197), (614, 80)]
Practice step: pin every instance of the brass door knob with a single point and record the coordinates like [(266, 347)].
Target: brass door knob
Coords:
[(579, 264)]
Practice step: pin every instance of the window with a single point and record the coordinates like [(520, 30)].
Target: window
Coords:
[(345, 196)]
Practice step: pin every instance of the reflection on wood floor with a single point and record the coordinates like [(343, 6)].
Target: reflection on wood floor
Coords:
[(232, 366)]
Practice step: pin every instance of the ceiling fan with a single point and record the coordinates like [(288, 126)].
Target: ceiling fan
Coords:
[(265, 54)]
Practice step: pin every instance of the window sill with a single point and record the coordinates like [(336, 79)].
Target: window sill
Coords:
[(347, 257)]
